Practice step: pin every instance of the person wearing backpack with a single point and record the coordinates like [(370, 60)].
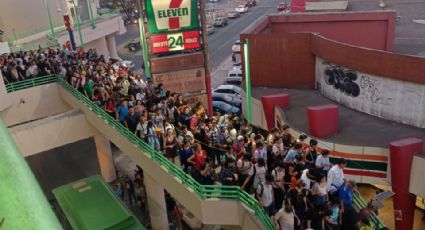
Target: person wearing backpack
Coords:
[(265, 196), (243, 167)]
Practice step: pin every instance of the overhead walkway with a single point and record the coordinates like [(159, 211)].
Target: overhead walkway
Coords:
[(219, 205)]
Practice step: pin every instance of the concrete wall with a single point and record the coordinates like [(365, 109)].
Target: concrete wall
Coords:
[(103, 28), (390, 65), (373, 30), (5, 101), (32, 104), (22, 16), (283, 61), (417, 185), (51, 132), (100, 45), (383, 97)]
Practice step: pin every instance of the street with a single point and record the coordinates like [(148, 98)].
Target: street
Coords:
[(219, 43)]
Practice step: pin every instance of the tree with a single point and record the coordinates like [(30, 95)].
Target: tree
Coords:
[(127, 6)]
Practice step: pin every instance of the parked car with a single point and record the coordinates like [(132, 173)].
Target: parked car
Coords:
[(220, 21), (282, 7), (233, 81), (242, 9), (210, 29), (233, 14), (229, 89), (231, 100), (234, 73), (224, 108), (134, 46), (236, 47), (251, 3)]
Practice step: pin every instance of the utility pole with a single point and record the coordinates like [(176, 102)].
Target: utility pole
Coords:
[(205, 52), (143, 42)]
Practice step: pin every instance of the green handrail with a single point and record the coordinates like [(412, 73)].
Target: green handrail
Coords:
[(359, 203), (204, 191)]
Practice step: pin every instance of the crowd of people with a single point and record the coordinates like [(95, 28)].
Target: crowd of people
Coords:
[(293, 182)]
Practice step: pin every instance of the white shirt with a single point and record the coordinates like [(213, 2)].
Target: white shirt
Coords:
[(318, 190), (242, 163), (143, 129), (305, 179), (335, 178), (260, 175), (322, 162), (266, 197), (278, 176), (286, 220)]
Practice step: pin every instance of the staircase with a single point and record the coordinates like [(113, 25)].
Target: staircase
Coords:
[(215, 205)]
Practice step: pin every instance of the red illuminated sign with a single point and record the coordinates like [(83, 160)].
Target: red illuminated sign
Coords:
[(175, 41)]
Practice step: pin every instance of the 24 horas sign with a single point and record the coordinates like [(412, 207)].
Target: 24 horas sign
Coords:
[(171, 15)]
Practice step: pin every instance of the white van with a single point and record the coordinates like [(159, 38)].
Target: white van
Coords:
[(234, 77)]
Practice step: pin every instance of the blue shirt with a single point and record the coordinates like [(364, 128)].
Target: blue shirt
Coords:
[(290, 156), (185, 154), (345, 194), (122, 113)]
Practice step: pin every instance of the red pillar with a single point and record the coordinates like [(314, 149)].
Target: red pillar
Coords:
[(269, 102), (401, 157)]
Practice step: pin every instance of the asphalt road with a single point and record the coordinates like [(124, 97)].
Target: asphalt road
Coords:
[(219, 43)]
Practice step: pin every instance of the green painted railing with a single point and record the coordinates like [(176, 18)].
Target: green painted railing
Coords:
[(31, 83), (203, 191), (359, 203)]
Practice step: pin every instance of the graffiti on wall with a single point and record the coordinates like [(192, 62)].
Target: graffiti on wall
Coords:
[(342, 80), (384, 97)]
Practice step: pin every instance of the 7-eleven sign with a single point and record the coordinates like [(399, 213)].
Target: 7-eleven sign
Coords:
[(171, 15), (174, 42)]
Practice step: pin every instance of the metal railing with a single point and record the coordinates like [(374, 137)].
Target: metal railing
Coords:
[(203, 191)]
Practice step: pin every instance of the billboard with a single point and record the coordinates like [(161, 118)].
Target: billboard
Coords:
[(163, 43), (184, 81), (165, 16)]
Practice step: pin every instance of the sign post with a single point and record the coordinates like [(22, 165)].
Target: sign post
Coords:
[(247, 81), (174, 26), (143, 43)]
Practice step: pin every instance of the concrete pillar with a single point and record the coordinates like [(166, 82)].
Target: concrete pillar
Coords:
[(5, 101), (105, 158), (156, 204), (112, 46), (401, 157)]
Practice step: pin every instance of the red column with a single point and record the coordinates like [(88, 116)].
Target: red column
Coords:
[(401, 157), (269, 102), (323, 120)]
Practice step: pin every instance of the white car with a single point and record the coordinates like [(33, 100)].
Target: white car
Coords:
[(242, 9), (234, 73), (236, 47), (229, 89)]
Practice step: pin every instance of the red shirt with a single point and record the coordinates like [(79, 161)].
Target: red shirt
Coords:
[(199, 159)]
